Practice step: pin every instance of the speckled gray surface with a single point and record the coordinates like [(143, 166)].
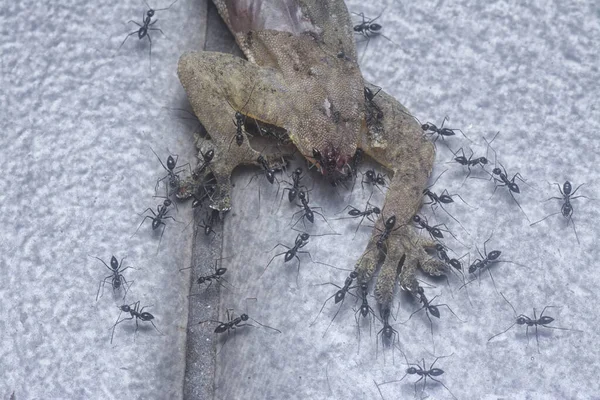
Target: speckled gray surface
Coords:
[(78, 117)]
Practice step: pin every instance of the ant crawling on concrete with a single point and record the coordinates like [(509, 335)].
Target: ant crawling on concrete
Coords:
[(307, 211), (485, 262), (429, 308), (172, 173), (340, 295), (365, 309), (375, 179), (422, 372), (522, 319), (567, 208), (116, 276), (234, 323), (387, 332), (146, 26), (292, 252), (157, 217), (295, 185), (368, 28), (135, 312), (442, 132)]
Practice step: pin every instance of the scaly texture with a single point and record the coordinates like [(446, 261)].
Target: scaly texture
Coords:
[(302, 76)]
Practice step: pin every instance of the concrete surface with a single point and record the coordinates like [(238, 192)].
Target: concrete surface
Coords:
[(78, 119)]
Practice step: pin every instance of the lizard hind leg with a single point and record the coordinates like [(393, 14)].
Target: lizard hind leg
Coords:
[(249, 89)]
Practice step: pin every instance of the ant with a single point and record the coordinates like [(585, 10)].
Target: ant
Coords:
[(374, 179), (240, 120), (469, 162), (340, 295), (157, 217), (388, 229), (116, 277), (207, 158), (369, 96), (501, 179), (367, 213), (134, 310), (429, 308), (487, 259), (416, 369), (522, 319), (439, 200), (443, 255), (294, 190), (368, 28), (300, 242), (233, 324), (387, 331), (146, 26), (442, 132), (365, 309), (205, 192), (172, 172), (566, 209), (308, 212), (207, 225), (434, 231), (217, 276)]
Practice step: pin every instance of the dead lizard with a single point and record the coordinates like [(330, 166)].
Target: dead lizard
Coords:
[(301, 75)]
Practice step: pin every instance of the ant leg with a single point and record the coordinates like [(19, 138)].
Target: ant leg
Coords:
[(144, 220), (102, 285), (272, 258), (126, 283), (574, 230), (546, 217), (520, 208), (445, 387), (117, 323)]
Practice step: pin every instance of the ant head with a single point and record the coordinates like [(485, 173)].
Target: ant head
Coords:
[(146, 316), (221, 271), (358, 28), (416, 219), (428, 127), (420, 290), (298, 171), (167, 203), (436, 371), (376, 210), (411, 370), (546, 320), (522, 320), (171, 163), (150, 13), (364, 286), (375, 27), (114, 264), (439, 247), (483, 161), (370, 174), (567, 188), (304, 237), (391, 221), (302, 195), (202, 279), (368, 94), (209, 155), (317, 154), (353, 275), (244, 317), (125, 308), (493, 255)]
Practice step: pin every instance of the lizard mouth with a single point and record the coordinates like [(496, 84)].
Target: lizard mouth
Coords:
[(332, 164)]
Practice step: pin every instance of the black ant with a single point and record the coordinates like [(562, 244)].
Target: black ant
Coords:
[(443, 255), (205, 192), (388, 227), (442, 132), (387, 332), (366, 213), (206, 159), (146, 26), (439, 200), (233, 324), (307, 211), (340, 295), (487, 259), (369, 96), (416, 369), (566, 209), (240, 120), (208, 225), (116, 276), (172, 172), (157, 217), (429, 308), (522, 319), (434, 231), (364, 309), (217, 276), (294, 190), (469, 162), (373, 178), (368, 28), (292, 252), (135, 312), (501, 179)]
